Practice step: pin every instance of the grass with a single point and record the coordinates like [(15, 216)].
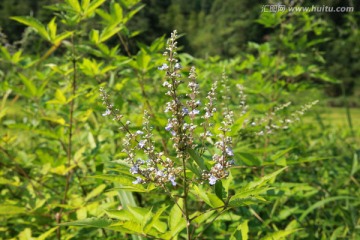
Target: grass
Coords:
[(337, 117)]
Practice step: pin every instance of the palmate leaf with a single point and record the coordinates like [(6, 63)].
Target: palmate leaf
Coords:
[(35, 24), (250, 193)]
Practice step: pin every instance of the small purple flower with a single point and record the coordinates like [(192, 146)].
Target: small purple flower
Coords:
[(107, 113), (138, 132), (177, 66), (142, 144), (159, 173), (138, 180), (134, 169), (208, 134), (172, 180), (229, 151), (168, 127), (166, 84), (194, 112), (212, 180), (218, 166), (173, 133), (163, 67), (185, 111)]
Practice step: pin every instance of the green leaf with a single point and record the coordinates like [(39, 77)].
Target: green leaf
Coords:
[(247, 158), (279, 234), (155, 221), (46, 234), (124, 179), (241, 232), (175, 216), (52, 27), (58, 120), (89, 222), (59, 98), (92, 7), (143, 60), (219, 189), (199, 161), (34, 23), (75, 5), (117, 12), (94, 36), (209, 198), (29, 85), (11, 210), (95, 192), (122, 215), (200, 217), (322, 203), (58, 39), (108, 32)]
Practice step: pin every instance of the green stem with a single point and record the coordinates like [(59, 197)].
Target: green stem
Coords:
[(186, 190), (347, 109)]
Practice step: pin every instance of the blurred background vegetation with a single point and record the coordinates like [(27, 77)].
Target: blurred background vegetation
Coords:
[(278, 57), (224, 29)]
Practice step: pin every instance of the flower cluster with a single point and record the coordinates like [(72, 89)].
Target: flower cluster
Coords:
[(272, 122), (225, 159), (185, 113)]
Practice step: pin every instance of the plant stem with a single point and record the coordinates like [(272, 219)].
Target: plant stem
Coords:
[(347, 108), (186, 189), (69, 147)]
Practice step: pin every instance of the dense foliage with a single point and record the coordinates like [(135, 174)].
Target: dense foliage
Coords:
[(63, 170)]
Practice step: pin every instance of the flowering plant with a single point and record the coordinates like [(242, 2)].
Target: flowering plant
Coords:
[(194, 173)]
